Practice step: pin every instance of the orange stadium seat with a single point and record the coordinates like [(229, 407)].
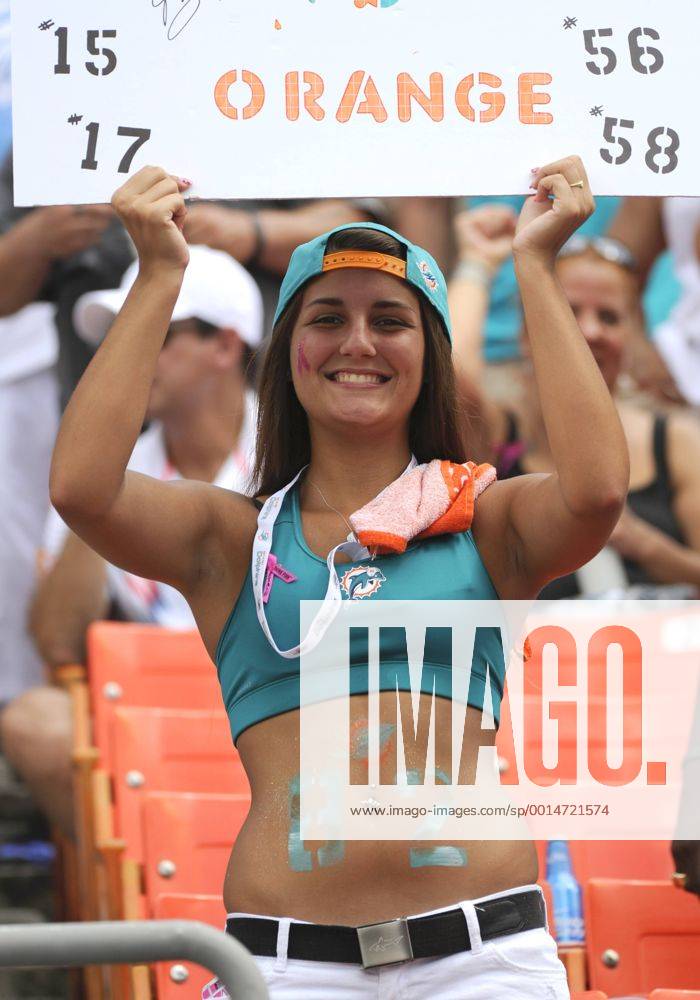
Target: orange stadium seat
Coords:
[(159, 750), (128, 664), (601, 859), (589, 995), (187, 841), (626, 859), (186, 985), (641, 935), (147, 666), (169, 750), (674, 995)]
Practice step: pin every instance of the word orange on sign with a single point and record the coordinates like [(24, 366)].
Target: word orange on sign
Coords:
[(362, 97)]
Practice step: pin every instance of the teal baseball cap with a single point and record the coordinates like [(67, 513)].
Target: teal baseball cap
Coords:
[(420, 269)]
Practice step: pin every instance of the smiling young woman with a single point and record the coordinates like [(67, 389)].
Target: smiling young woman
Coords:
[(312, 323), (357, 401)]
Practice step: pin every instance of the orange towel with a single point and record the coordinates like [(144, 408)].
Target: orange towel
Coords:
[(433, 499)]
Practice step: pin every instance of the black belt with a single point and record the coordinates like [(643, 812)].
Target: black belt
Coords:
[(393, 941)]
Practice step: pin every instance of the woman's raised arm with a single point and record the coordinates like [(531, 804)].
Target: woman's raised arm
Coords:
[(156, 530), (555, 523)]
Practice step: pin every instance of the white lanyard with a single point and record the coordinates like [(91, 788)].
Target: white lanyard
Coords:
[(262, 546)]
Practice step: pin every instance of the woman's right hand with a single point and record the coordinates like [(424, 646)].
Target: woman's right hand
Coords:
[(152, 207)]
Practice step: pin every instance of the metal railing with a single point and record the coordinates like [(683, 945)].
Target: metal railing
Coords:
[(133, 942)]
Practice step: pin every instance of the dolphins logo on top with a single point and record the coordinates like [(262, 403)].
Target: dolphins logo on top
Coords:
[(362, 581), (375, 3)]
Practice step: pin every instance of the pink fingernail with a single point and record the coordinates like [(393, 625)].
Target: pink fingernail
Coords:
[(534, 170), (186, 181)]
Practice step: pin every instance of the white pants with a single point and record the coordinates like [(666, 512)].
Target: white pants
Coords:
[(522, 966)]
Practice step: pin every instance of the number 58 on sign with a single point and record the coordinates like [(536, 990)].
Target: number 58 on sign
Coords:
[(320, 98)]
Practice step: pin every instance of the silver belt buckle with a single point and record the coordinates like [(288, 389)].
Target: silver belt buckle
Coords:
[(385, 944)]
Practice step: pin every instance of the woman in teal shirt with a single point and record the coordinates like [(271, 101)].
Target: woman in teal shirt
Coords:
[(357, 379)]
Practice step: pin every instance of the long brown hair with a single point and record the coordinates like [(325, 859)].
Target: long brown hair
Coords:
[(283, 442)]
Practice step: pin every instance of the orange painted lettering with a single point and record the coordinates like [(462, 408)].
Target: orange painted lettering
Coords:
[(529, 98), (494, 102), (314, 90), (408, 90), (371, 103), (257, 94)]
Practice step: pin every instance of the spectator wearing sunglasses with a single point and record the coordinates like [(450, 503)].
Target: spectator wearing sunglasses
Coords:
[(658, 536)]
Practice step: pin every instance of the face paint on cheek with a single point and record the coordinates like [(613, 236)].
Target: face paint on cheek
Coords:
[(303, 366)]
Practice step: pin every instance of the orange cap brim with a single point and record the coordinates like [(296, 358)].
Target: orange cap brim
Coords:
[(364, 258)]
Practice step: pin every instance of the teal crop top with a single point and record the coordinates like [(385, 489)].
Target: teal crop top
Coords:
[(257, 683)]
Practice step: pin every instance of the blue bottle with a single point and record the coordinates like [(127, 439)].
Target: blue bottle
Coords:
[(37, 852), (566, 895)]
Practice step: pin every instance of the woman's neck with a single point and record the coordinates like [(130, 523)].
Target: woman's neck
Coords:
[(352, 473)]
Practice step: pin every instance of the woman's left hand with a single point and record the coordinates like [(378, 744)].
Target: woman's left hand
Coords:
[(546, 224)]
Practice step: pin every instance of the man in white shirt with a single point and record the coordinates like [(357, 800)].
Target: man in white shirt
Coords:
[(199, 404), (28, 425), (202, 415)]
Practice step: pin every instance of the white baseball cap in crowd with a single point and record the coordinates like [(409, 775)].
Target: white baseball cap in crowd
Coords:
[(215, 288)]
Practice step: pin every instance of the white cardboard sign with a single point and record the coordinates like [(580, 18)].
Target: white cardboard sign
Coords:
[(318, 98)]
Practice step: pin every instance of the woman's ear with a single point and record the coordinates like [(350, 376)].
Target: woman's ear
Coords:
[(230, 348)]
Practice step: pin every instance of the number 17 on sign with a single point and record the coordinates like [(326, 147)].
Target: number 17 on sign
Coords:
[(139, 135)]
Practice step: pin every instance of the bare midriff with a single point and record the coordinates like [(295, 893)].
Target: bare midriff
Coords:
[(272, 872)]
